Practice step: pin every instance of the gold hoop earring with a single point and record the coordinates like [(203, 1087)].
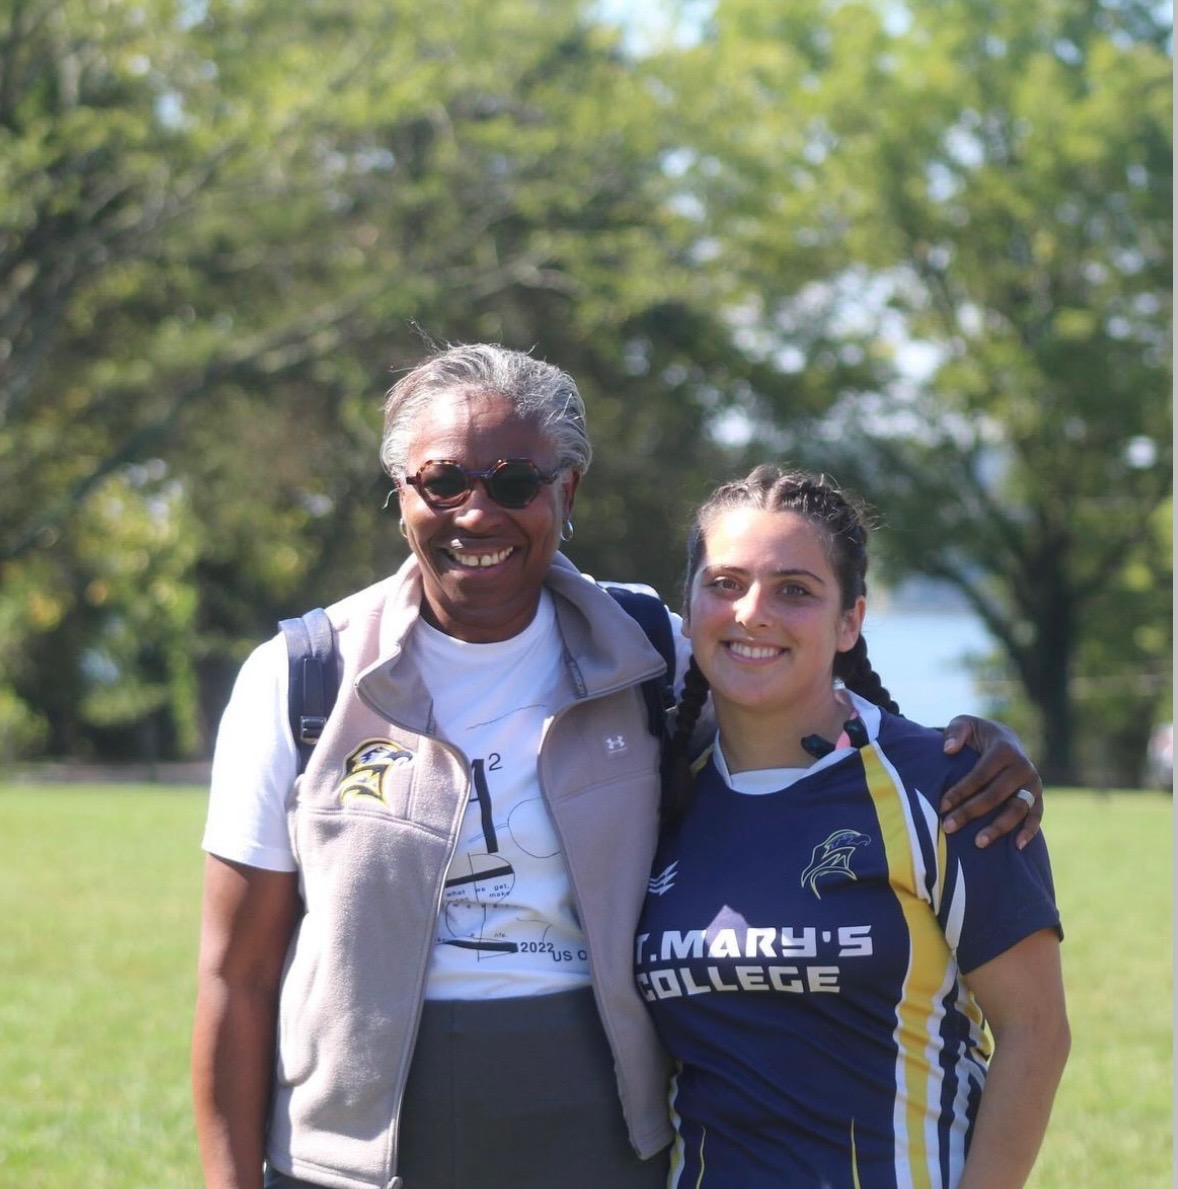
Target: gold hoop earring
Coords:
[(401, 526)]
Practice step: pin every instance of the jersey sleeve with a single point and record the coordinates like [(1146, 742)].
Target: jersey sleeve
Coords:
[(254, 767), (995, 896)]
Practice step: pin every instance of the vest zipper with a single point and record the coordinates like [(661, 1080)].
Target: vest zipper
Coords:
[(395, 1181)]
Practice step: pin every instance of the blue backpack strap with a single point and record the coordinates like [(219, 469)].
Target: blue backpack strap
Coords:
[(648, 611), (314, 677)]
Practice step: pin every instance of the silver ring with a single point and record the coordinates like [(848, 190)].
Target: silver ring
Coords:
[(1027, 798)]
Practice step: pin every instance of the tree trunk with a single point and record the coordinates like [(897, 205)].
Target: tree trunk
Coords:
[(1049, 686)]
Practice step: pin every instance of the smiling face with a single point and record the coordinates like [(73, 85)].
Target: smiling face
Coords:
[(483, 565), (765, 615)]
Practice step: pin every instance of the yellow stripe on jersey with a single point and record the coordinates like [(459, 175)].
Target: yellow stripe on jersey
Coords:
[(677, 1149), (698, 763), (928, 977)]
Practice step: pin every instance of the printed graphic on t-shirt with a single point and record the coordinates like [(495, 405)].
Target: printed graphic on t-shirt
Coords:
[(499, 846), (488, 879), (506, 923)]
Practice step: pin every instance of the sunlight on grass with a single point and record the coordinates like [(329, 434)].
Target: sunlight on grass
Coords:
[(99, 898), (1112, 858), (99, 895)]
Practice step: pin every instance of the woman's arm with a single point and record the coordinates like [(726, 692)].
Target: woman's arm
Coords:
[(247, 918), (1021, 992), (1001, 773)]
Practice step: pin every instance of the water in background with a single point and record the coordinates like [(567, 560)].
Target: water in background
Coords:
[(919, 657)]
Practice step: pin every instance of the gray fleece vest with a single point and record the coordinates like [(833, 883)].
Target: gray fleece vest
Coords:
[(374, 821)]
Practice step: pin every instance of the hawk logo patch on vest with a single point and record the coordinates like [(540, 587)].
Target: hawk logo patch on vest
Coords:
[(366, 768)]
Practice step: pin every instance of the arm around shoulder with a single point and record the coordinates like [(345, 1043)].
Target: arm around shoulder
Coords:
[(247, 918), (1002, 777)]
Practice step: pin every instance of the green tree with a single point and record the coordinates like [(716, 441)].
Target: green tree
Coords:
[(974, 200), (223, 219)]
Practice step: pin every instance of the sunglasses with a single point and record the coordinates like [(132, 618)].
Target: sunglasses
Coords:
[(511, 482)]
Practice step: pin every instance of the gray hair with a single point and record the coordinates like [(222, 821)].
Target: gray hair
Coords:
[(539, 393)]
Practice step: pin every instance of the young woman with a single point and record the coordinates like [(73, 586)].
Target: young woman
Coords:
[(818, 956)]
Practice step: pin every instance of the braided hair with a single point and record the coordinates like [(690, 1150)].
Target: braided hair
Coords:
[(843, 522)]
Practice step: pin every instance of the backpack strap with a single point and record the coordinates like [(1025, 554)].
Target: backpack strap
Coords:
[(649, 612), (314, 677)]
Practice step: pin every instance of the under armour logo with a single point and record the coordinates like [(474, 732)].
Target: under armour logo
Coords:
[(615, 743)]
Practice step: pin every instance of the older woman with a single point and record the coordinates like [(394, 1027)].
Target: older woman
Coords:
[(416, 956)]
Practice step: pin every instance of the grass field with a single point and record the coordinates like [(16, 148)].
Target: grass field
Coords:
[(99, 893)]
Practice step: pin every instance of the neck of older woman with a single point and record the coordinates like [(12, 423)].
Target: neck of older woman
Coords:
[(756, 738), (488, 624)]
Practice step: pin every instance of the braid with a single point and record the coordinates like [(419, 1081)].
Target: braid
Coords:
[(859, 677), (678, 780)]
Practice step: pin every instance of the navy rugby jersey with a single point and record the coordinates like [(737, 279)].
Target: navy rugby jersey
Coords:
[(801, 955)]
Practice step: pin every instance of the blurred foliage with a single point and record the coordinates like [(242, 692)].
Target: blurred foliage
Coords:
[(224, 222), (980, 195), (225, 226)]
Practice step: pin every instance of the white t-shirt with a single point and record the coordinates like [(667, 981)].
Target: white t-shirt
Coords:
[(508, 924)]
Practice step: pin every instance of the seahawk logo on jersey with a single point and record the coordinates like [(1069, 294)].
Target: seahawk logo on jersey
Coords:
[(833, 857), (366, 768)]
